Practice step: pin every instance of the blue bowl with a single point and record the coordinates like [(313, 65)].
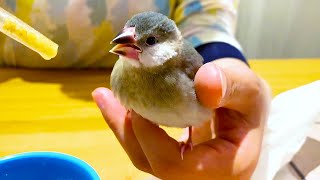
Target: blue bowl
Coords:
[(45, 166)]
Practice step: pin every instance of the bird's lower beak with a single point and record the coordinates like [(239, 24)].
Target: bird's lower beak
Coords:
[(126, 44), (126, 50)]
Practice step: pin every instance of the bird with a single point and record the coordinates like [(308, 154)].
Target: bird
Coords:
[(154, 75)]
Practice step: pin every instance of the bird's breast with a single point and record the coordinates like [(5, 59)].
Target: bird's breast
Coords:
[(163, 97), (134, 87)]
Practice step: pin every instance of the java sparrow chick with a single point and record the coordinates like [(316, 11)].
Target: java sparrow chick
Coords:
[(155, 72)]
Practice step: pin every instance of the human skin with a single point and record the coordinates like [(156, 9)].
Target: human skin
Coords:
[(227, 147)]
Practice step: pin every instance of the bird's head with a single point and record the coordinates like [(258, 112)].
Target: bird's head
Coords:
[(148, 39)]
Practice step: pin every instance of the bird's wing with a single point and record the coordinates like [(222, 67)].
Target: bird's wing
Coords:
[(192, 60)]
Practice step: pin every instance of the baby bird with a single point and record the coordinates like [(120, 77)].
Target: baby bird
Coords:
[(155, 72)]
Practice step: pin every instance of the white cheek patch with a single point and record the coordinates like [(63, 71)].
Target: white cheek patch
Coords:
[(158, 54)]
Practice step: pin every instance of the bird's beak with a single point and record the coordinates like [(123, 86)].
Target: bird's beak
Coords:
[(126, 44)]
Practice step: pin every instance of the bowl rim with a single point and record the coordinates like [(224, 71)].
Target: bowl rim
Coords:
[(54, 155)]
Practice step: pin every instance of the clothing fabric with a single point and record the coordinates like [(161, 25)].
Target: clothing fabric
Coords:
[(217, 50), (84, 28)]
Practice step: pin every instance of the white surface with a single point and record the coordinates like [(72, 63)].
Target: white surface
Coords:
[(291, 117), (315, 132), (315, 174)]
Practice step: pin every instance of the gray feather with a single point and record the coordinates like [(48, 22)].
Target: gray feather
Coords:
[(192, 60)]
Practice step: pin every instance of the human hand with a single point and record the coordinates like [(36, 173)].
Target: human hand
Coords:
[(240, 100)]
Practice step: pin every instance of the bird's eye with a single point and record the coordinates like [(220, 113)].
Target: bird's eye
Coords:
[(151, 41)]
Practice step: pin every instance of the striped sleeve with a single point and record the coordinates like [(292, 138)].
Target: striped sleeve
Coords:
[(207, 21)]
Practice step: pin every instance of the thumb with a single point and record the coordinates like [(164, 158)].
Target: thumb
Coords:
[(210, 85), (227, 83)]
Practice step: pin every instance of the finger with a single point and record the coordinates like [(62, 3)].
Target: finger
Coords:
[(111, 108), (160, 149), (228, 83), (116, 117), (203, 132), (163, 153)]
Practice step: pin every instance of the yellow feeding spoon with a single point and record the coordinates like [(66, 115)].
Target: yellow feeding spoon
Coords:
[(26, 35)]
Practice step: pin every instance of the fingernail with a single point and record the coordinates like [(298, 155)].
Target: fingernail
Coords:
[(219, 81), (223, 81), (210, 85), (98, 96)]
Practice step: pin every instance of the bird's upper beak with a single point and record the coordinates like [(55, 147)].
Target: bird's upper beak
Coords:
[(126, 44)]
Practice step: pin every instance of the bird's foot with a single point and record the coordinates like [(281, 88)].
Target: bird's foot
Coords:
[(184, 146)]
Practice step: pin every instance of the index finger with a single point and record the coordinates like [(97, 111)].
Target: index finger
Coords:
[(120, 123)]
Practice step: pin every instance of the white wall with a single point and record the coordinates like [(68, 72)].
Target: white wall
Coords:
[(279, 28)]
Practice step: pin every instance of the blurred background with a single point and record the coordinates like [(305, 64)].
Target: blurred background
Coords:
[(279, 28)]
